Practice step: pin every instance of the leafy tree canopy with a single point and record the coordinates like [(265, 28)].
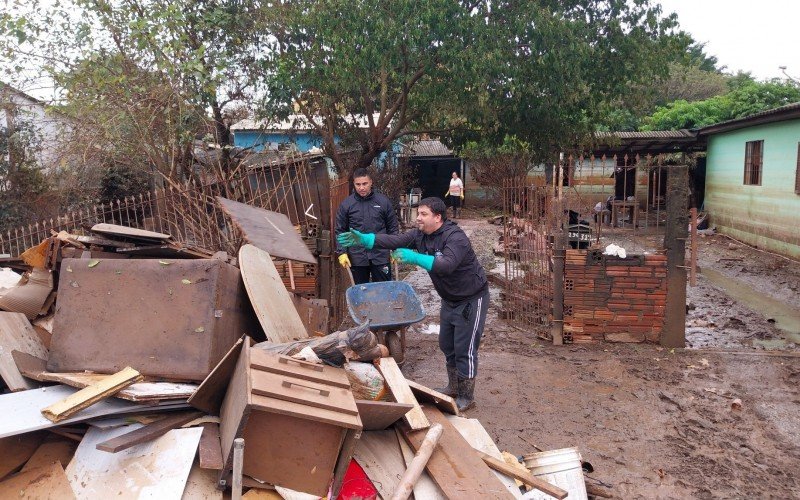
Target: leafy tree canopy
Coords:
[(745, 99), (540, 71)]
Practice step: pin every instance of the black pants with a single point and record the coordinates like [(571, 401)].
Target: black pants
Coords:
[(460, 332), (378, 272)]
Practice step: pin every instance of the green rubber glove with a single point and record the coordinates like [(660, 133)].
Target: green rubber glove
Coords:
[(353, 238), (408, 256)]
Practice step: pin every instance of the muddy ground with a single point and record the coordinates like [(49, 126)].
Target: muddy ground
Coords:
[(654, 422)]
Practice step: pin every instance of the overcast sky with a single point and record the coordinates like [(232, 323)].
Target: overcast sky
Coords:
[(756, 36)]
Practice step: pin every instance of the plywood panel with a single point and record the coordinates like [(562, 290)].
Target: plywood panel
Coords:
[(272, 232), (17, 334), (156, 469), (53, 449), (43, 483), (269, 297), (378, 453)]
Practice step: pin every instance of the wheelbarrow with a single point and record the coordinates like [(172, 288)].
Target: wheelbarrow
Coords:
[(390, 307)]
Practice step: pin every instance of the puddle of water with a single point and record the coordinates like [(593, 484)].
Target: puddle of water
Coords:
[(787, 319)]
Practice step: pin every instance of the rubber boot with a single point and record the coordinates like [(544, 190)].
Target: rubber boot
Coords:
[(452, 383), (466, 390)]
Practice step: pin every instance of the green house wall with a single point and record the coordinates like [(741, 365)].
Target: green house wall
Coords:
[(768, 215)]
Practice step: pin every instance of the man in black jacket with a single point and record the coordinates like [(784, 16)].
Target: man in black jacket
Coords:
[(366, 211), (441, 247)]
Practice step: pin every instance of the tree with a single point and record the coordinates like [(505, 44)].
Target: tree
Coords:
[(746, 99), (536, 70), (146, 74)]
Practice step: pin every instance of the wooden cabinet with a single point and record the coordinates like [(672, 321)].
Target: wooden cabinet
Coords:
[(299, 421)]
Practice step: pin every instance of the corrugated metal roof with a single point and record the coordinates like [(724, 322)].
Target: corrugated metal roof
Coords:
[(787, 112), (653, 134), (298, 123), (427, 148)]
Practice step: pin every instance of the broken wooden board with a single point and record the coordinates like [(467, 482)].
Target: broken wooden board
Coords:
[(128, 232), (36, 369), (17, 334), (454, 465), (15, 451), (22, 410), (378, 453), (211, 447), (42, 483), (269, 297), (398, 385), (29, 295), (156, 469), (148, 432), (202, 485), (424, 488), (211, 392), (436, 398), (53, 449), (378, 415), (477, 437), (272, 232), (90, 395)]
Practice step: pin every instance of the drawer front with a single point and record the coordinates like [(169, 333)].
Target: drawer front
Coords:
[(306, 392), (297, 368)]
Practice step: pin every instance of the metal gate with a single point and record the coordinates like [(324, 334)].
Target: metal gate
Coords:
[(530, 218)]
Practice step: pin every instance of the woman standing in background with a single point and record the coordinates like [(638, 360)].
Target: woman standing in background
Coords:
[(456, 193)]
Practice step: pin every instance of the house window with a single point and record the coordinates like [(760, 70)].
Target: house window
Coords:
[(797, 172), (753, 161)]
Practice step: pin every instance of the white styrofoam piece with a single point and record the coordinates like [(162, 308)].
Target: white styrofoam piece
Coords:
[(157, 469), (477, 437), (22, 411)]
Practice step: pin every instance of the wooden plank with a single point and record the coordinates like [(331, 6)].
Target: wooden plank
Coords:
[(15, 451), (128, 232), (270, 299), (425, 488), (428, 395), (147, 433), (378, 415), (201, 485), (43, 483), (271, 232), (90, 395), (398, 385), (314, 313), (158, 469), (17, 334), (477, 437), (22, 410), (378, 453), (165, 252), (211, 447), (455, 466), (527, 478), (53, 449), (209, 395)]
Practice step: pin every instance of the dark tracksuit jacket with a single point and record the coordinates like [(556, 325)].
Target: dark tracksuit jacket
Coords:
[(460, 281), (373, 213)]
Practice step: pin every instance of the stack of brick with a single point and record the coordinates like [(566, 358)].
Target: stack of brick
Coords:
[(612, 299)]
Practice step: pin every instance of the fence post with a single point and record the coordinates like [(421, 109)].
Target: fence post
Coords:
[(674, 334)]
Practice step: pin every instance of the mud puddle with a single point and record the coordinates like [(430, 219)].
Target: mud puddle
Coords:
[(785, 317)]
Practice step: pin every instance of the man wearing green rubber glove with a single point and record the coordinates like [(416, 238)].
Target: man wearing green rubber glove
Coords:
[(440, 247)]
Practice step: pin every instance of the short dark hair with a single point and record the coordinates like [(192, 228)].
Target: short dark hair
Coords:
[(436, 205), (361, 172)]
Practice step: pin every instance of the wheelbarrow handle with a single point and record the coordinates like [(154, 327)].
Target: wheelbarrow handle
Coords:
[(394, 270), (350, 275)]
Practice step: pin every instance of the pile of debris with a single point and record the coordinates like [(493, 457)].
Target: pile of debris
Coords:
[(178, 372)]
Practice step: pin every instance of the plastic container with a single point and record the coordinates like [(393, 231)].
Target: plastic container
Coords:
[(386, 304), (559, 467)]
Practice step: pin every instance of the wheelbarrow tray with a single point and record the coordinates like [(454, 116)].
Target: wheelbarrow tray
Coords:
[(386, 304)]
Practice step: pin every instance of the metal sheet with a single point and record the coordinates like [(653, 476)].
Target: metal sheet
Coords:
[(272, 232), (169, 318)]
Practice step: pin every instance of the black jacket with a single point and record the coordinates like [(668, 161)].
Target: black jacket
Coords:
[(457, 275), (373, 213)]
